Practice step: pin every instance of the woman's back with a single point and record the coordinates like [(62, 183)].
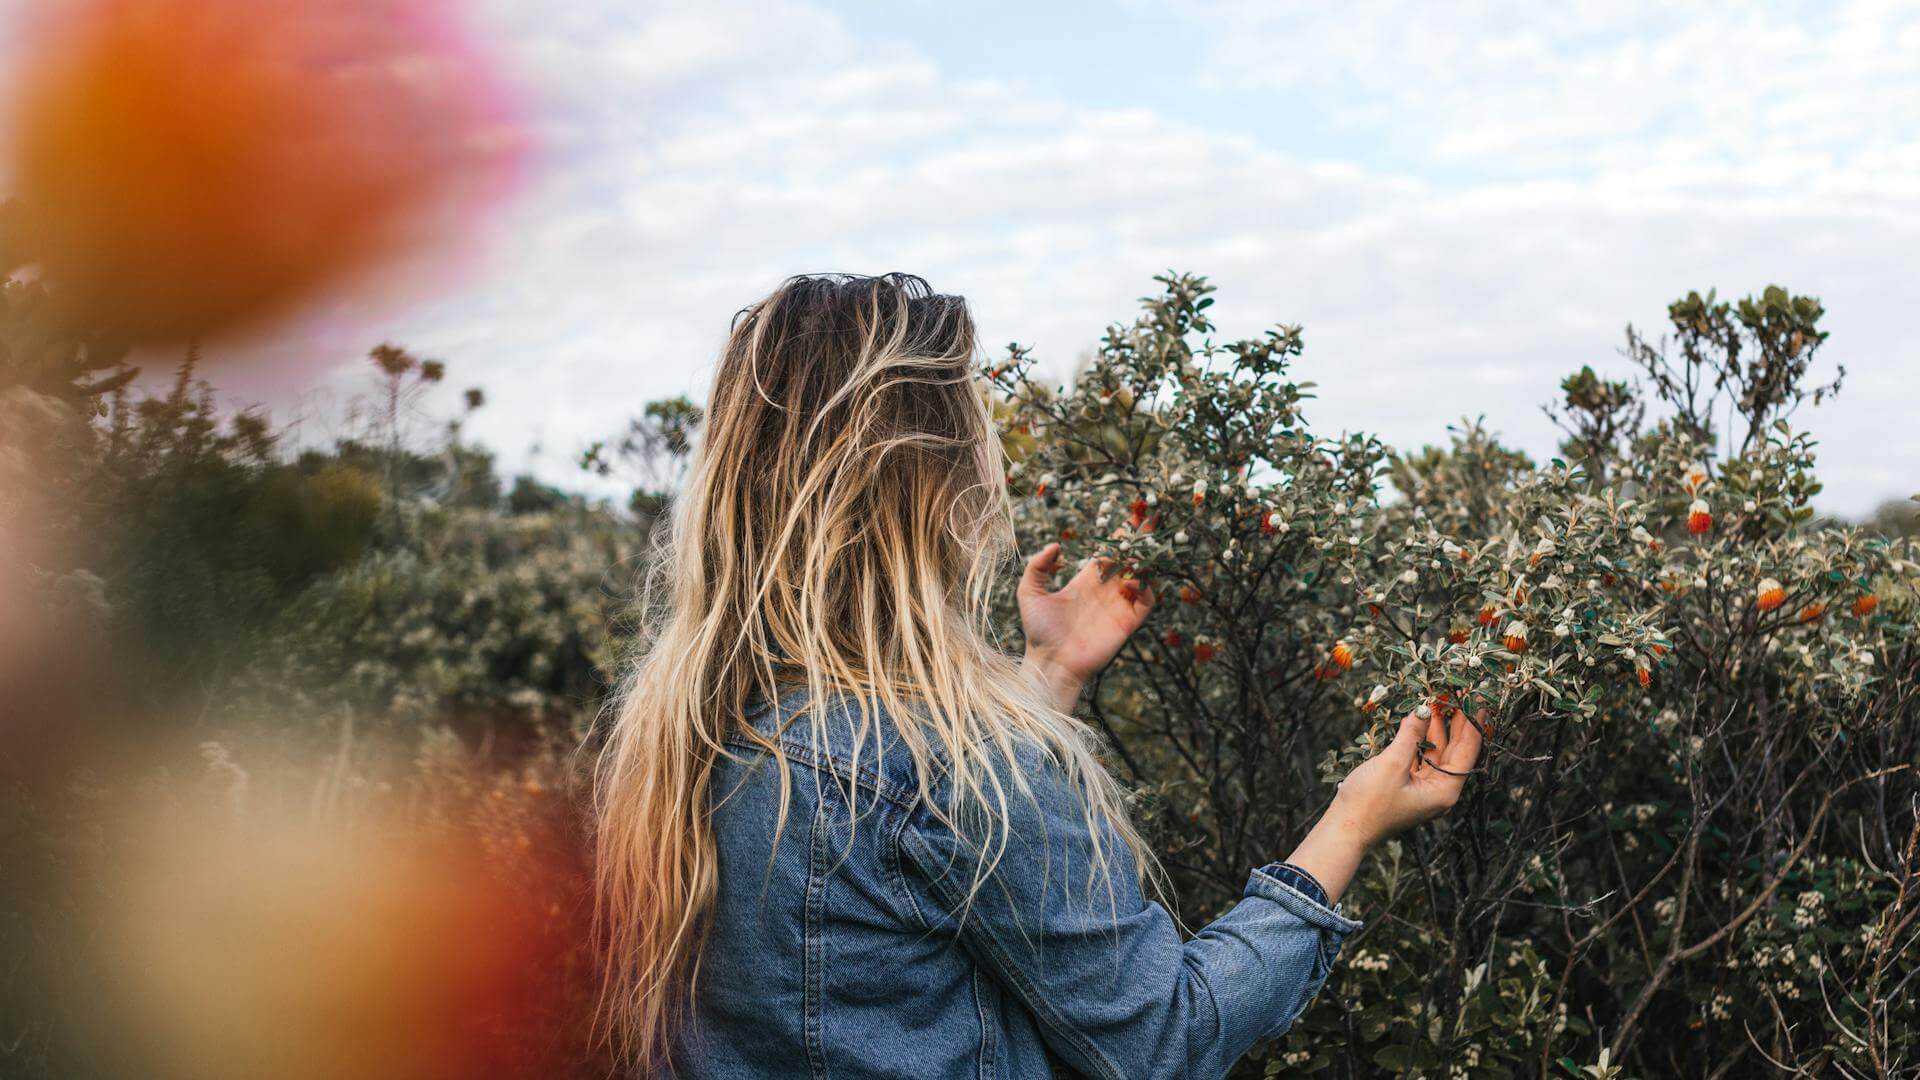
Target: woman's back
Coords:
[(819, 961), (858, 947)]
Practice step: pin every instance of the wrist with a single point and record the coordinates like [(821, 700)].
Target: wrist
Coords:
[(1334, 848), (1063, 686), (1348, 818)]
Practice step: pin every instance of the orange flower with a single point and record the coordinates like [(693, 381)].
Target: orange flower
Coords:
[(1204, 651), (1137, 513), (1695, 476), (1519, 596), (1374, 610), (1067, 534), (1457, 635), (1267, 522), (1189, 594), (1864, 606), (1174, 639), (1338, 660), (1487, 615), (1771, 594), (1812, 612), (1515, 638), (1699, 517), (1642, 673)]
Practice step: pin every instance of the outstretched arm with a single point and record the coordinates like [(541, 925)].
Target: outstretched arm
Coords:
[(1117, 990)]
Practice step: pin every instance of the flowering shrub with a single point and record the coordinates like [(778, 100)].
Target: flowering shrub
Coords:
[(1692, 845)]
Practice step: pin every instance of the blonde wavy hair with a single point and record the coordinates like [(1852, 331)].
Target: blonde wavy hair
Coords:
[(840, 532)]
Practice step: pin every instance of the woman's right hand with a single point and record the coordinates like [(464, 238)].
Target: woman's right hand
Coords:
[(1393, 790), (1399, 787)]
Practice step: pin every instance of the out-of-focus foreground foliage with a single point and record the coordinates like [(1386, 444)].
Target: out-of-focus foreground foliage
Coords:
[(364, 641), (1692, 850)]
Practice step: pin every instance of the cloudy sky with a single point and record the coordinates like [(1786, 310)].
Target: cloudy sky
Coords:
[(1459, 206)]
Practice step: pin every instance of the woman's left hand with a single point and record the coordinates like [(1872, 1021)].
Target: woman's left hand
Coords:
[(1075, 631)]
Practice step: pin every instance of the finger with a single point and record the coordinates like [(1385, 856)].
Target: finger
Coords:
[(1466, 744), (1413, 728), (1040, 570), (1437, 734), (1093, 572), (1146, 598)]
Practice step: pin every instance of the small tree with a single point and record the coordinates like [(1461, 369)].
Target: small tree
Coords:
[(652, 454)]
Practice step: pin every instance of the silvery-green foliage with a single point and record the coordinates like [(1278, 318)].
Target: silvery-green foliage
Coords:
[(1700, 701)]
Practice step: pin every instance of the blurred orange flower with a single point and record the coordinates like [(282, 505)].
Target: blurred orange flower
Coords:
[(192, 166), (1515, 639), (1699, 517)]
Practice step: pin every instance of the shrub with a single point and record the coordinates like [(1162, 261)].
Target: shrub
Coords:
[(482, 616), (1692, 842)]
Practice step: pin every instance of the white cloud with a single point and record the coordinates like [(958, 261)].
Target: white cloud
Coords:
[(1555, 174)]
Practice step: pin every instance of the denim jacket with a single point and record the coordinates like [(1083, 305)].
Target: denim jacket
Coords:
[(851, 949)]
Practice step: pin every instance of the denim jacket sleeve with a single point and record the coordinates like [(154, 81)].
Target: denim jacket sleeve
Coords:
[(1116, 990)]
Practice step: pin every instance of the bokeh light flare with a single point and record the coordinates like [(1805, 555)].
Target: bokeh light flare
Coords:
[(195, 166)]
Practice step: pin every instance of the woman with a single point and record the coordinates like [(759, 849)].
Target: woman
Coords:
[(840, 833)]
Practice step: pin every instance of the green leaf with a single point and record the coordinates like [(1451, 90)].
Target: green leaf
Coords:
[(1397, 1058)]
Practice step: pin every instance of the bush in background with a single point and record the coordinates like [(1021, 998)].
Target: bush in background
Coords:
[(1691, 848)]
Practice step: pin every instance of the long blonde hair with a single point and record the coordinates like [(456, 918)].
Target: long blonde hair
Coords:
[(840, 531)]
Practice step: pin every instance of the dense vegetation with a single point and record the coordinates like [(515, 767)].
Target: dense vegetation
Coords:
[(1693, 850)]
